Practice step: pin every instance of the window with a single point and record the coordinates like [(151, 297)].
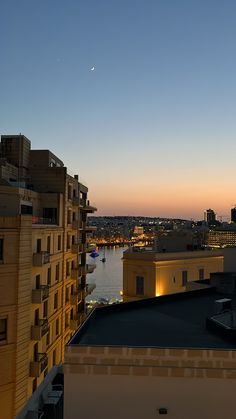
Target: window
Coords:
[(45, 309), (57, 273), (67, 268), (37, 282), (1, 250), (3, 329), (49, 276), (69, 191), (48, 338), (36, 317), (54, 357), (49, 244), (38, 245), (57, 326), (139, 285), (201, 273), (184, 278), (26, 209), (59, 243), (56, 300), (50, 214), (67, 294), (68, 241)]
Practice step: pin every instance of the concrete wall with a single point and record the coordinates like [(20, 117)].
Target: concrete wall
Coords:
[(121, 397), (131, 383)]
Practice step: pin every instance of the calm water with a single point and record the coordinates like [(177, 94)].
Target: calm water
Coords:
[(107, 276)]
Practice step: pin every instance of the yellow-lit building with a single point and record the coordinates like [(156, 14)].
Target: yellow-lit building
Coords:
[(224, 237), (147, 273), (43, 228)]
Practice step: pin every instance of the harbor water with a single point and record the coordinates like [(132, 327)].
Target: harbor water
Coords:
[(107, 276)]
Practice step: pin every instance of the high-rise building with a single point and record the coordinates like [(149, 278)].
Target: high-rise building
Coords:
[(209, 216), (233, 215), (43, 228)]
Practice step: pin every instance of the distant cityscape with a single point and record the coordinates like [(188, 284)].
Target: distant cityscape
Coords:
[(210, 231)]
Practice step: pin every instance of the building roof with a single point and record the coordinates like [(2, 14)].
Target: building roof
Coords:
[(152, 255), (171, 321)]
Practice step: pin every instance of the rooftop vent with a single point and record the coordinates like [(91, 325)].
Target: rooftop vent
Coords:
[(223, 304), (223, 323)]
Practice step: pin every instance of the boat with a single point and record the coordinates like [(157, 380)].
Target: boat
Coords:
[(103, 260)]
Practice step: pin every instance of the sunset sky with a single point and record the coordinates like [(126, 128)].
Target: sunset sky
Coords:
[(152, 129)]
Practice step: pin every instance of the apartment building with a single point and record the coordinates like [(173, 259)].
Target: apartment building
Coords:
[(148, 273), (222, 237), (173, 355), (43, 228)]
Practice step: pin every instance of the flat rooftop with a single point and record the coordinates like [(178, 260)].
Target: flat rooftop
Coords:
[(152, 255), (171, 321)]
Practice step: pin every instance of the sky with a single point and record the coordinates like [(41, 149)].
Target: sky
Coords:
[(152, 128)]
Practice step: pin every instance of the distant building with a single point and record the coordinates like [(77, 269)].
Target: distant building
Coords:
[(222, 237), (147, 273), (172, 355), (209, 216), (138, 230), (43, 227), (233, 215)]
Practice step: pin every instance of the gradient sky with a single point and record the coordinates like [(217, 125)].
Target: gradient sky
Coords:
[(152, 129)]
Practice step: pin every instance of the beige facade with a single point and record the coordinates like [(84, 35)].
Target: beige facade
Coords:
[(43, 228), (131, 383), (149, 274)]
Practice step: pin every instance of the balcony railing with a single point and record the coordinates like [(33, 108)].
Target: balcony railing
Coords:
[(39, 365), (41, 258), (82, 270), (85, 205), (42, 220), (40, 294), (89, 288), (39, 330), (90, 268)]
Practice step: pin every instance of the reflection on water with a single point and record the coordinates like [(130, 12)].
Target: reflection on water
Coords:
[(107, 276)]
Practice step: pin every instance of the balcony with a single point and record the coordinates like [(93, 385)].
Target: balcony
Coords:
[(38, 366), (90, 229), (85, 206), (90, 268), (40, 294), (39, 330), (81, 248), (41, 258), (82, 270), (87, 228), (89, 289), (44, 221)]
